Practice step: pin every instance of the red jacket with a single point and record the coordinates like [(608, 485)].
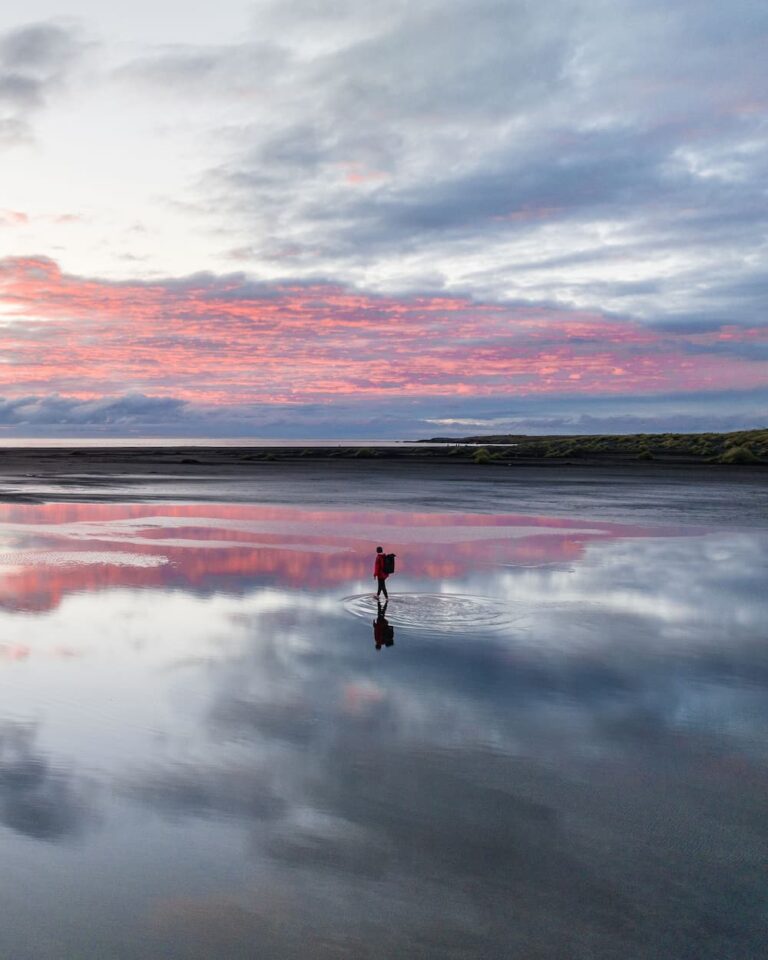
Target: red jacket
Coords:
[(378, 567)]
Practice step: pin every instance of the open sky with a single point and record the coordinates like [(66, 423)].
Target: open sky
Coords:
[(332, 218)]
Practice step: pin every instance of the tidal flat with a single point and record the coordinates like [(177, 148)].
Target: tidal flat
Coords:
[(214, 743)]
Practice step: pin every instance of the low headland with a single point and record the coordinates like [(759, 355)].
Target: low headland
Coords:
[(746, 448)]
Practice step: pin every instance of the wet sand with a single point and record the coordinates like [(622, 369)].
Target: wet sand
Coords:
[(558, 750), (686, 492)]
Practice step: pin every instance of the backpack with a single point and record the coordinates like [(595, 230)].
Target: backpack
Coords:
[(389, 562)]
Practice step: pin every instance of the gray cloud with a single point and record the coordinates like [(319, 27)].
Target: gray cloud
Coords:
[(210, 72), (12, 131), (55, 411), (19, 91), (34, 61), (684, 412), (40, 49), (136, 414), (602, 156)]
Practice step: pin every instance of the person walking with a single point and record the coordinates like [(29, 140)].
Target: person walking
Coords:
[(380, 573)]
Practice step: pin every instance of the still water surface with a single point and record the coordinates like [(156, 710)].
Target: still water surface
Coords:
[(553, 742)]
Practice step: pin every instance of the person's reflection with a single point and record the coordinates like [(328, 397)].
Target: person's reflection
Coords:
[(383, 632)]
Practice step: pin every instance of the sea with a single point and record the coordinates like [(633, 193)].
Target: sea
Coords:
[(131, 442)]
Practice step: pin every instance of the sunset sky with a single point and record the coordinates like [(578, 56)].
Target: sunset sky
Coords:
[(327, 218)]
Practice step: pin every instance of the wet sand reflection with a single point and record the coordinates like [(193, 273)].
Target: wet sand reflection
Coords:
[(52, 550), (551, 741)]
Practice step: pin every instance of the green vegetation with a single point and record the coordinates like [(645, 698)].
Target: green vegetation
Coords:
[(745, 448), (741, 447), (737, 455)]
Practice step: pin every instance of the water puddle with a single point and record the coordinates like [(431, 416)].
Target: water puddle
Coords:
[(439, 612), (214, 742)]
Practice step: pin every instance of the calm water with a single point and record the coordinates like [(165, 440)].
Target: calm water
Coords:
[(558, 747), (115, 443)]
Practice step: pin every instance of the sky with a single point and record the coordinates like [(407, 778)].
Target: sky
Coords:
[(295, 218)]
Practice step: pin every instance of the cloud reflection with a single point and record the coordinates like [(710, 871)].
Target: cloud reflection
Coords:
[(57, 549), (566, 770), (575, 776), (38, 799)]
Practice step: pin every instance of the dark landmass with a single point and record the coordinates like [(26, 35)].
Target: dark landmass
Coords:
[(743, 451), (673, 489), (744, 447), (707, 452), (638, 452)]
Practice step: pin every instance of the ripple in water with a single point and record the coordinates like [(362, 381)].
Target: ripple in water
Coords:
[(440, 612)]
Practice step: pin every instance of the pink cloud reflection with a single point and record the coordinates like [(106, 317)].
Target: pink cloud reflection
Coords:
[(238, 546)]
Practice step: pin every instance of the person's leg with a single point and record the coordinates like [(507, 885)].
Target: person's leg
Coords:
[(384, 588), (380, 583)]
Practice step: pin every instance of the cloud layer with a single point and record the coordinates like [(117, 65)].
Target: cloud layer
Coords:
[(475, 200), (34, 62), (209, 345)]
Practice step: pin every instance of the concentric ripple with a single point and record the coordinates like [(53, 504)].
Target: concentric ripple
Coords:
[(438, 612)]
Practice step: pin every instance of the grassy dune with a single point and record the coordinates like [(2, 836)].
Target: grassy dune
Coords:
[(740, 447)]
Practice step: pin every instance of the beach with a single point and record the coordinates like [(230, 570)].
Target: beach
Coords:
[(551, 737), (427, 476)]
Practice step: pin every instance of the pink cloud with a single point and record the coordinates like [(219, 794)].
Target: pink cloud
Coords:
[(226, 340), (13, 218)]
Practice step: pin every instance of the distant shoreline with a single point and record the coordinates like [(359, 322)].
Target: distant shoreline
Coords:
[(195, 461), (743, 447), (251, 473), (740, 448)]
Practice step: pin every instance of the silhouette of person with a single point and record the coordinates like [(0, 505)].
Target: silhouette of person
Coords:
[(380, 574), (383, 633)]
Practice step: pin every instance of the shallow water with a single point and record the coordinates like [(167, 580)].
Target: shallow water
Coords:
[(553, 742)]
